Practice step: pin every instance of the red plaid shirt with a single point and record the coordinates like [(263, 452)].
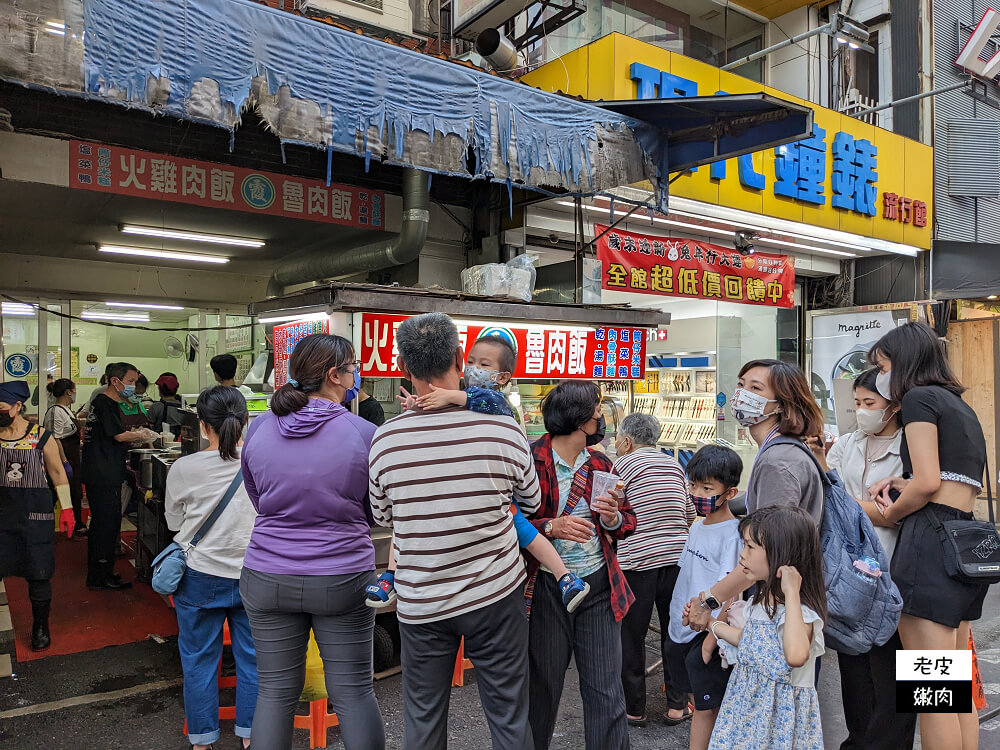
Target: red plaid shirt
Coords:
[(541, 449)]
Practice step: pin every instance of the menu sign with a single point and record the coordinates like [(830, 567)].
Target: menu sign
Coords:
[(286, 337), (676, 267), (543, 352), (111, 169)]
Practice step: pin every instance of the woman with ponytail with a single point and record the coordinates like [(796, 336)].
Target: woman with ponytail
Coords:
[(209, 592), (311, 553)]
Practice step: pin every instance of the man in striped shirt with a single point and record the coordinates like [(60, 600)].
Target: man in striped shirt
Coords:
[(656, 487), (443, 480)]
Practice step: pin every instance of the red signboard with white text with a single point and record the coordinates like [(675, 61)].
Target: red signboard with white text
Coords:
[(543, 352), (673, 267), (125, 171)]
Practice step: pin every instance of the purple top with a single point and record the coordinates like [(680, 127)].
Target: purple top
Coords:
[(307, 476)]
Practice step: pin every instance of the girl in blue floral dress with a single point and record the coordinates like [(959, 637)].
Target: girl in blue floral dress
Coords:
[(771, 701)]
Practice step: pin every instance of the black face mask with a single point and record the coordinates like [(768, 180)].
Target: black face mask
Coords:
[(6, 420), (598, 436)]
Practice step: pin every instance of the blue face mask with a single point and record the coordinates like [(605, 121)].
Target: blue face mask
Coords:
[(127, 391), (352, 392)]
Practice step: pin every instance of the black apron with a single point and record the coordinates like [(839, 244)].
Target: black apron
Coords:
[(27, 519)]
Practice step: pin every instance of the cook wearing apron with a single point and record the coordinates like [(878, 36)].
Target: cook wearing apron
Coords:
[(27, 518)]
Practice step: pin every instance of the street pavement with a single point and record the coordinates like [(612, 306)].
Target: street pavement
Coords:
[(129, 697)]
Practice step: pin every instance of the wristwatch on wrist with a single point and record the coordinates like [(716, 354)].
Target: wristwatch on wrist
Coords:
[(710, 602), (547, 528)]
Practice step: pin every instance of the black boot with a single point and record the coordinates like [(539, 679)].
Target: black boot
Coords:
[(107, 580), (40, 639)]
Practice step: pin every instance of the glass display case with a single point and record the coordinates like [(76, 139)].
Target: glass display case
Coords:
[(612, 406)]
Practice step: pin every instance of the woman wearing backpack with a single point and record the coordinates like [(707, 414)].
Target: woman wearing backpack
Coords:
[(943, 457), (772, 400), (868, 680)]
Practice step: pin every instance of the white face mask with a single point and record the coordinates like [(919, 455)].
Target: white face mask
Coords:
[(748, 407), (882, 381), (872, 421)]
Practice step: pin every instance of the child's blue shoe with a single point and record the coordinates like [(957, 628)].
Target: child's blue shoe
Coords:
[(382, 593), (574, 590)]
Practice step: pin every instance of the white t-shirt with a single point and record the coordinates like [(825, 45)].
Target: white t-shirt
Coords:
[(195, 485), (804, 676), (711, 553), (59, 421)]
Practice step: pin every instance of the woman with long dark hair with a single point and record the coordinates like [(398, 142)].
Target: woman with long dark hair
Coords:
[(584, 530), (944, 457), (311, 554), (209, 592), (772, 400), (863, 458), (60, 421)]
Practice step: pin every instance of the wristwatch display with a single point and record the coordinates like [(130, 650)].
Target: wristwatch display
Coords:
[(710, 602), (547, 528)]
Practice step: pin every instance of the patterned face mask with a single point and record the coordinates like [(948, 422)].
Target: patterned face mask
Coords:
[(704, 505), (748, 407), (476, 377)]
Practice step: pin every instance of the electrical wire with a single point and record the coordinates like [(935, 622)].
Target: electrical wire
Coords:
[(60, 314)]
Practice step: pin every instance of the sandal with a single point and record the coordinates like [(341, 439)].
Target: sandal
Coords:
[(637, 721), (671, 722)]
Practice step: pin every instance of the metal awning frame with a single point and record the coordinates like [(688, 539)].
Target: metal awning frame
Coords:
[(342, 297)]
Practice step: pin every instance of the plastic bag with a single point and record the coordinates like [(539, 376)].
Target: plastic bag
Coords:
[(516, 278), (522, 283), (314, 688)]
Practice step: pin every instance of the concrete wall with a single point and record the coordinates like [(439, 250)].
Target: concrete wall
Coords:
[(785, 67)]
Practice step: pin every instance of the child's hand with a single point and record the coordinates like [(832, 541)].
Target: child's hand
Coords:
[(791, 580), (439, 398), (408, 400)]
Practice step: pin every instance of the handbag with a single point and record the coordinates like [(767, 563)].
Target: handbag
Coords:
[(170, 565), (971, 547)]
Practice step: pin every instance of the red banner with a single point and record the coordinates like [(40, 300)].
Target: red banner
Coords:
[(674, 267), (543, 352), (110, 169), (286, 337)]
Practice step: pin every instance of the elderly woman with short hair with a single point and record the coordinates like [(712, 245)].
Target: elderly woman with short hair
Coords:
[(656, 488)]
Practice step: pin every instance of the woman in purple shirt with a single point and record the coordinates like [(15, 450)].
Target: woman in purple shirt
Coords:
[(310, 556)]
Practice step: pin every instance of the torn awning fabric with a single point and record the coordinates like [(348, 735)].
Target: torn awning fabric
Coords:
[(315, 84)]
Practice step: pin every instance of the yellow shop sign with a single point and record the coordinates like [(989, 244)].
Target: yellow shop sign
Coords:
[(850, 176)]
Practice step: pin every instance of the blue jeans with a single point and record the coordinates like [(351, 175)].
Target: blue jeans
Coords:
[(203, 603)]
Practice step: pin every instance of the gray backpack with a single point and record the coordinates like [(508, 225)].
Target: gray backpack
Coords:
[(863, 610)]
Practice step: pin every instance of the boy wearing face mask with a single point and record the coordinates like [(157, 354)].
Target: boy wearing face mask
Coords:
[(490, 365), (712, 552)]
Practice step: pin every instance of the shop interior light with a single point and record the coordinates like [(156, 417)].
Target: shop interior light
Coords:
[(180, 234), (165, 254), (110, 315), (143, 305), (19, 310), (301, 317), (55, 27), (525, 326), (992, 296), (726, 233)]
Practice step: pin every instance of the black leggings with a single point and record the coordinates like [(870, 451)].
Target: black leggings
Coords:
[(39, 590)]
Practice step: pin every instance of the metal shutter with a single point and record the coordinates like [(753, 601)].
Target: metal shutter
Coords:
[(974, 157)]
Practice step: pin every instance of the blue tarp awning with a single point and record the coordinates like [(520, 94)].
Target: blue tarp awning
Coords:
[(315, 84), (703, 129)]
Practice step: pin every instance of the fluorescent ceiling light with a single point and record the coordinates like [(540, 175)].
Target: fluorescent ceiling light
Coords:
[(165, 254), (726, 233), (770, 240), (144, 305), (19, 310), (806, 231), (300, 318), (55, 27), (755, 227), (180, 234), (108, 315)]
